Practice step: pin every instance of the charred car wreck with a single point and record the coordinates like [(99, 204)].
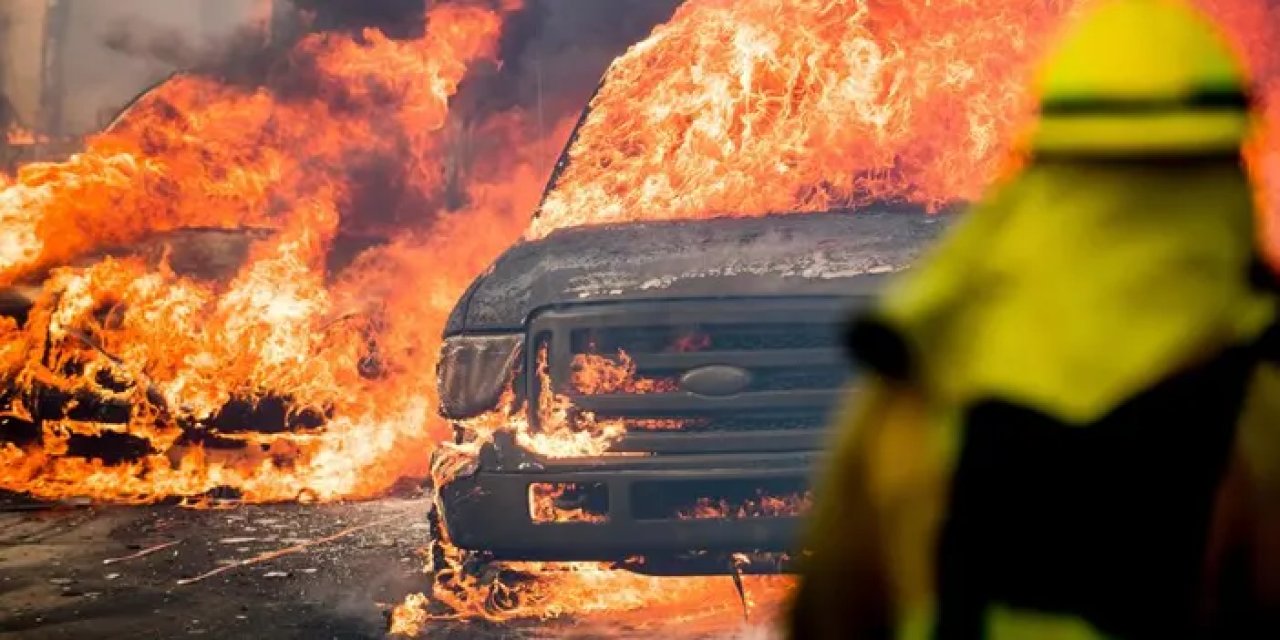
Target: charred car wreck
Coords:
[(201, 254), (731, 329)]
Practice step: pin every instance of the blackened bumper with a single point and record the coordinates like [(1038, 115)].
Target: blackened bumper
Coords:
[(488, 508)]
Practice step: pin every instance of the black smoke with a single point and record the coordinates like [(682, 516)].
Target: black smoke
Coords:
[(552, 54), (396, 18), (7, 116), (555, 51)]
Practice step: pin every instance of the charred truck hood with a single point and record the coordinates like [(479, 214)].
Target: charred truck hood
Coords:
[(822, 254)]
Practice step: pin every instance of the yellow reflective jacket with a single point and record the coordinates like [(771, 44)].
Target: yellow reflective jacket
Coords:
[(1079, 285)]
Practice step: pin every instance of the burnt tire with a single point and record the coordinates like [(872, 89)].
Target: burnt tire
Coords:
[(470, 571), (438, 539), (501, 598)]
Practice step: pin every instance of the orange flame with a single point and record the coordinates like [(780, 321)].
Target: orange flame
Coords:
[(741, 108), (545, 505), (545, 591), (197, 153), (409, 617), (175, 350), (17, 136), (596, 374), (763, 506), (563, 431)]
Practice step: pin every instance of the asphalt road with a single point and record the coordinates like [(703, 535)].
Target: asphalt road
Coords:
[(89, 572)]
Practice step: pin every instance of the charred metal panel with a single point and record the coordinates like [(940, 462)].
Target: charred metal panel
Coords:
[(797, 255), (489, 510)]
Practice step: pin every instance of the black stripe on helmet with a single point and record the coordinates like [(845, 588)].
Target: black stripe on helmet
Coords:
[(1201, 100)]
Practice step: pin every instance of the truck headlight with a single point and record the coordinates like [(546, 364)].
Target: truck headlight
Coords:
[(474, 371)]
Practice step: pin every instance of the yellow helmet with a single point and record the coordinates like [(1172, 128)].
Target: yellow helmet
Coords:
[(1143, 77)]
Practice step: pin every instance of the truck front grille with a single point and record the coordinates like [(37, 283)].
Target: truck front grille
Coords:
[(678, 373)]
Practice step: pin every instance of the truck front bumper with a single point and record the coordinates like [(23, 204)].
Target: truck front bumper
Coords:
[(487, 507)]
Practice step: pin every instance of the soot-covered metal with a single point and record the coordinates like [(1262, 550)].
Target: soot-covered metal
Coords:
[(809, 254)]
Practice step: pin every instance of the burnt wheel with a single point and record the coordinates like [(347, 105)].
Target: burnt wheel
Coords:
[(459, 576), (501, 598), (445, 584), (436, 544)]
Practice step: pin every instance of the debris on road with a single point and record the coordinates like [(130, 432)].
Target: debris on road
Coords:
[(145, 552), (272, 555)]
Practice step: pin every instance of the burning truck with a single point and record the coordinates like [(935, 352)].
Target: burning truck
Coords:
[(673, 381), (699, 360)]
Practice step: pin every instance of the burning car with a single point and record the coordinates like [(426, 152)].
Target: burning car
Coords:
[(94, 417), (75, 397), (700, 361)]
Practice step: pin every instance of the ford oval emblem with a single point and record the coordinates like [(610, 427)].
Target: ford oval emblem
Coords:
[(716, 380)]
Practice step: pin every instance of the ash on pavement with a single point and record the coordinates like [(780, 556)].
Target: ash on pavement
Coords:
[(56, 581)]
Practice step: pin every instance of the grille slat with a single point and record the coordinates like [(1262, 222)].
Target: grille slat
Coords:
[(629, 404), (662, 362), (695, 338), (713, 422), (789, 347), (774, 441)]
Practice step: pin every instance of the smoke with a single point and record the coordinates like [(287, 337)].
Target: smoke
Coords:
[(6, 109), (551, 56), (555, 51), (84, 80), (396, 18), (552, 52), (7, 117)]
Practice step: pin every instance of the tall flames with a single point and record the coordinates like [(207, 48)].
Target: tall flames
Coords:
[(742, 108), (348, 353)]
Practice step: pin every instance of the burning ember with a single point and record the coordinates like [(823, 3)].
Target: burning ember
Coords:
[(566, 502), (595, 374), (692, 343), (16, 136), (762, 506), (408, 618)]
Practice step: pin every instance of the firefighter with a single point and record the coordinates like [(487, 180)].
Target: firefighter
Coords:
[(1064, 429)]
